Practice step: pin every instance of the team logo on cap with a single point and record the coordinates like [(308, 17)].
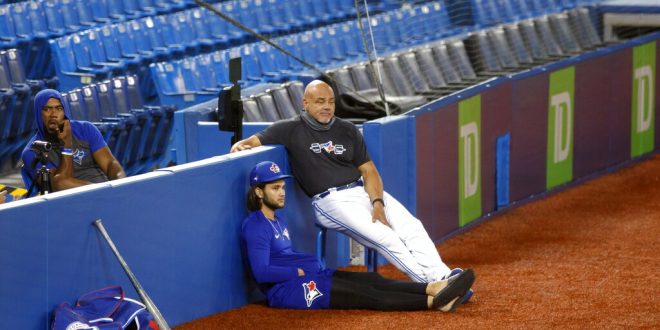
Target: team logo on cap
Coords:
[(274, 168), (311, 292)]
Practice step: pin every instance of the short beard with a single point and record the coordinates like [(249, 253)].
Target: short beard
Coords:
[(272, 205)]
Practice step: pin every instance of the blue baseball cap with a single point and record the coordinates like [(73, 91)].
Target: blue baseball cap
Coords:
[(265, 172)]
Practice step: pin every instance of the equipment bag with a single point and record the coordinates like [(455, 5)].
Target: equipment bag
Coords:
[(103, 309)]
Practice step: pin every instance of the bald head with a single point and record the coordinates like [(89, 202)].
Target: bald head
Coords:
[(319, 101)]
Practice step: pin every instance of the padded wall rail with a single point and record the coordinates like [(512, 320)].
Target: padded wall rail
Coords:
[(178, 229)]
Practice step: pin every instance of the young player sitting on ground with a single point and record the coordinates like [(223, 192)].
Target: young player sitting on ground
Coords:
[(291, 279)]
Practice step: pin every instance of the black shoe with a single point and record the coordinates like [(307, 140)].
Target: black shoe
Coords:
[(457, 287)]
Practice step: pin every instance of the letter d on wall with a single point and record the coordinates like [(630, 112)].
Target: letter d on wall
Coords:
[(469, 160), (559, 161), (642, 128)]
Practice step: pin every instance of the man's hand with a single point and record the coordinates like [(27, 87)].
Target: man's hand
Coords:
[(247, 144), (301, 272), (238, 146), (64, 134), (378, 214)]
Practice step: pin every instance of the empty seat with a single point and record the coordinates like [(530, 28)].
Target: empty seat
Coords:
[(517, 43), (458, 56), (560, 25), (503, 49), (547, 37), (296, 90), (283, 102), (429, 68), (267, 107), (251, 111)]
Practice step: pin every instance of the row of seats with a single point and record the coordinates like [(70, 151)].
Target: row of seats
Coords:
[(513, 47), (122, 48), (136, 134), (195, 79), (414, 77), (486, 13), (281, 102), (27, 25), (16, 99)]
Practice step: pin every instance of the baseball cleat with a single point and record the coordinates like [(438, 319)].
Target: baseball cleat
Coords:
[(457, 287), (469, 294)]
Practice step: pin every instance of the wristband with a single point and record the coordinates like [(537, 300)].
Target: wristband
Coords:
[(66, 151), (378, 200)]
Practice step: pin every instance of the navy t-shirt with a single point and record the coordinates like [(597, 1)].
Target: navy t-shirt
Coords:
[(319, 159)]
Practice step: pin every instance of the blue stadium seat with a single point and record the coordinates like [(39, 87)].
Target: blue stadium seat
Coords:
[(220, 63), (303, 10), (8, 115), (252, 14), (127, 44), (83, 45), (283, 15), (216, 29), (76, 106), (236, 35), (54, 17), (19, 106), (203, 35), (143, 43), (250, 66), (112, 50), (333, 45), (98, 10), (64, 60)]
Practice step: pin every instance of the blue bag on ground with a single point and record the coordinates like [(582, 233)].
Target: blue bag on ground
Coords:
[(103, 309)]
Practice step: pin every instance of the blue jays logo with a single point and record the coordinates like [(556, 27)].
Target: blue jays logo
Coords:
[(78, 156), (328, 147), (274, 168), (311, 292)]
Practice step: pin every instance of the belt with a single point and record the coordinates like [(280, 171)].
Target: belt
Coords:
[(357, 183)]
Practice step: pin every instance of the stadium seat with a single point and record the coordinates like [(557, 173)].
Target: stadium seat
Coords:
[(502, 48), (267, 107), (560, 26), (283, 103), (295, 89), (459, 58), (251, 111), (408, 83), (520, 51), (547, 37), (485, 60), (342, 80), (436, 86), (434, 74)]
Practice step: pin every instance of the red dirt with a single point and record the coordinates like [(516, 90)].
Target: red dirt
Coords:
[(586, 257)]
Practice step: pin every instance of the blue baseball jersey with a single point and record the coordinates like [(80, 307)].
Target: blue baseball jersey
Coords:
[(274, 265)]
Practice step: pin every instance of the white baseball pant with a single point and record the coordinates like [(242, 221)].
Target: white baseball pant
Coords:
[(406, 244)]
